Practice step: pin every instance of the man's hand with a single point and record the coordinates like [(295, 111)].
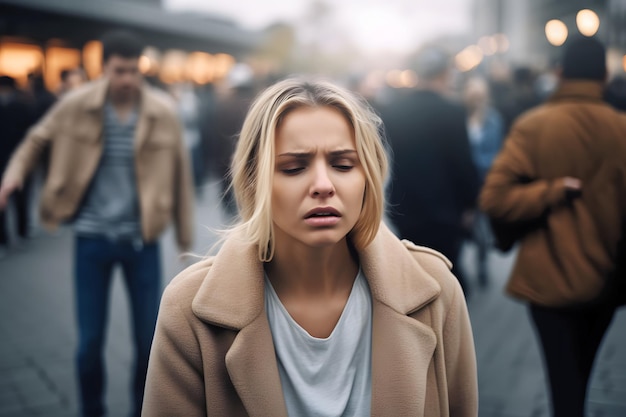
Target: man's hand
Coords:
[(9, 185), (573, 188)]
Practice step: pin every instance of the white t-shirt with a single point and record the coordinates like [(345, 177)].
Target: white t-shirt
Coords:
[(328, 377)]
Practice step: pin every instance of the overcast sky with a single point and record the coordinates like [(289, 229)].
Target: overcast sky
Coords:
[(373, 25)]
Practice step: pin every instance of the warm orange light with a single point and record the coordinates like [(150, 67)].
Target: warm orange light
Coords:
[(469, 58), (173, 66), (200, 67), (18, 59), (587, 22), (408, 78), (502, 41), (488, 45), (92, 59), (556, 32), (223, 65), (144, 64), (624, 62), (393, 78), (149, 61), (57, 59)]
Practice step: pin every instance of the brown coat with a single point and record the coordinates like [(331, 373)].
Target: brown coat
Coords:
[(213, 355), (569, 251), (73, 130)]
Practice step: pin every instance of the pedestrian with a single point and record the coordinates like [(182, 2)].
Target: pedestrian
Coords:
[(71, 79), (118, 173), (560, 181), (16, 116), (435, 184), (312, 306), (485, 128)]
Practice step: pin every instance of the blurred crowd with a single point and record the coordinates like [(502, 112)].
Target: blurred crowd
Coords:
[(492, 97)]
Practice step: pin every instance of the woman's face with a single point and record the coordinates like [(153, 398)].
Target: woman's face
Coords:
[(319, 183)]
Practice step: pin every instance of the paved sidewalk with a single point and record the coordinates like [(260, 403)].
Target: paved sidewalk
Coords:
[(37, 336)]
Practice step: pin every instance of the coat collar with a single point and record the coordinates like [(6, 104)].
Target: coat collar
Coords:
[(97, 99), (232, 294), (579, 90), (149, 110)]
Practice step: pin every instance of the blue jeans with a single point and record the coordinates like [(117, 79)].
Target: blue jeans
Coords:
[(94, 262)]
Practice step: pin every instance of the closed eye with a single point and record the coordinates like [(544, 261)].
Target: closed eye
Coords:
[(292, 171), (343, 167)]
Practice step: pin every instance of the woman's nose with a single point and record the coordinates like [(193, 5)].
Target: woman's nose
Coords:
[(322, 185)]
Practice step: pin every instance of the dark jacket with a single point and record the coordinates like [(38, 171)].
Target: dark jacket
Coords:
[(16, 116), (434, 177)]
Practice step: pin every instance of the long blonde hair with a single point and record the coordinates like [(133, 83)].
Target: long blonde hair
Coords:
[(252, 167)]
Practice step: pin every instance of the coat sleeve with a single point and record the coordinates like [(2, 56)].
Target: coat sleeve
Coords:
[(512, 190), (184, 195), (460, 358), (174, 382)]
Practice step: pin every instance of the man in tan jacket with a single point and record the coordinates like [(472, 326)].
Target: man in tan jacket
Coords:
[(118, 173), (561, 181)]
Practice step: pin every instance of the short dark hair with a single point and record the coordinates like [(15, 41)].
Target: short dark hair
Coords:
[(122, 43), (584, 58)]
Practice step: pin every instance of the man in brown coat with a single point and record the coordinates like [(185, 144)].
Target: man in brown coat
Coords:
[(561, 181), (119, 174)]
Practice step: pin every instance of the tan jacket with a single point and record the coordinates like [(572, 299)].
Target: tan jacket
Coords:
[(73, 129), (565, 257), (213, 354)]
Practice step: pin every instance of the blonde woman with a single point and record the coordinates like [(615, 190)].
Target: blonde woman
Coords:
[(312, 307)]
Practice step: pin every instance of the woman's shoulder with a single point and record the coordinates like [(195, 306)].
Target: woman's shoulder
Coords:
[(435, 264), (185, 285)]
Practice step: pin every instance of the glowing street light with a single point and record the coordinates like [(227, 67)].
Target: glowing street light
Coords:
[(587, 22), (556, 32), (502, 41)]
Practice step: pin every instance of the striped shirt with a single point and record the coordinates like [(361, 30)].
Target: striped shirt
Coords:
[(110, 207)]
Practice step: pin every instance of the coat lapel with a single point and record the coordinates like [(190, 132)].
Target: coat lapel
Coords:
[(232, 296), (251, 364), (402, 347), (145, 122), (402, 351)]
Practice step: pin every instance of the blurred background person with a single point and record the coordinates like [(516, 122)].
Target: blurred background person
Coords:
[(560, 179), (233, 101), (188, 107), (119, 174), (39, 94), (485, 129), (16, 116), (70, 79), (434, 184)]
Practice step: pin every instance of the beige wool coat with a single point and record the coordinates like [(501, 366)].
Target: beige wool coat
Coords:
[(213, 354), (72, 130)]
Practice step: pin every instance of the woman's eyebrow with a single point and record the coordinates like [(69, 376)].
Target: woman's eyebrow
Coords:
[(296, 154), (341, 152), (338, 152)]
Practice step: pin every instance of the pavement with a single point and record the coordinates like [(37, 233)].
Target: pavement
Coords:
[(38, 336)]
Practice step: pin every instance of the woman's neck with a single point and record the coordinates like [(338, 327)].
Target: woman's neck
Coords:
[(298, 271)]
